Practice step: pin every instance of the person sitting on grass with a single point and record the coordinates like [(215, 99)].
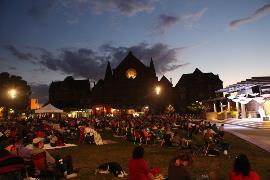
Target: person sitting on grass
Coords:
[(167, 139), (221, 130), (177, 168), (138, 167), (176, 140), (242, 170), (55, 165)]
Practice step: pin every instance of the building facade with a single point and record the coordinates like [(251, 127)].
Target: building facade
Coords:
[(70, 94), (132, 87), (246, 99), (196, 87)]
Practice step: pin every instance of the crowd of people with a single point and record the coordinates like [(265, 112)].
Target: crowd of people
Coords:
[(162, 129)]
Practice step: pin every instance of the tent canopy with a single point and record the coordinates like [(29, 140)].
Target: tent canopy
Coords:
[(49, 109)]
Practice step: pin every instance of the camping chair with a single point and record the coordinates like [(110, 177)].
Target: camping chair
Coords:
[(138, 137), (41, 168), (147, 137)]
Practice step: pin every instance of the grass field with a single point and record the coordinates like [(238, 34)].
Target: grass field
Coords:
[(88, 157)]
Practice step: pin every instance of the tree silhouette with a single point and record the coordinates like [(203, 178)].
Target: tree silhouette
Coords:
[(197, 108), (23, 91)]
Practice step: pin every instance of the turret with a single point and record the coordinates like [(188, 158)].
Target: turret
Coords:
[(152, 68), (108, 74)]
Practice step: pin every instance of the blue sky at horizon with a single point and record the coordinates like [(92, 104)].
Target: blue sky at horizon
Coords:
[(45, 41)]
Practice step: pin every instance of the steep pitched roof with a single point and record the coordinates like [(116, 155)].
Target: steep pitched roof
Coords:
[(165, 81), (152, 67), (197, 71), (108, 74), (70, 83), (129, 59), (191, 77)]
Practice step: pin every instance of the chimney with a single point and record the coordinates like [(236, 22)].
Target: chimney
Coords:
[(171, 80)]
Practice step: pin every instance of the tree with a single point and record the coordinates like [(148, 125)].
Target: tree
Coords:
[(197, 108), (22, 89)]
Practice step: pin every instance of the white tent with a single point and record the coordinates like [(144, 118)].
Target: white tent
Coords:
[(49, 109)]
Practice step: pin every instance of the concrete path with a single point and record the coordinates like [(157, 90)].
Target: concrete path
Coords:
[(256, 123), (258, 136)]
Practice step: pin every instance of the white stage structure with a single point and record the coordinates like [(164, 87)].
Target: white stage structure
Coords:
[(256, 89)]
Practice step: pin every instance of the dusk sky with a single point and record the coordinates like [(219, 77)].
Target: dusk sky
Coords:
[(47, 40)]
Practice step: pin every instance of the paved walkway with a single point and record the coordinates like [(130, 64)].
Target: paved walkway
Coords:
[(254, 131), (262, 142), (256, 123)]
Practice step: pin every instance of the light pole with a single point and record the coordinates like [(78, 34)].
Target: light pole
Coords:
[(158, 90), (12, 94), (157, 101)]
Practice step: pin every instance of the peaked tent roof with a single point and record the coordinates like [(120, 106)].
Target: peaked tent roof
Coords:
[(48, 109)]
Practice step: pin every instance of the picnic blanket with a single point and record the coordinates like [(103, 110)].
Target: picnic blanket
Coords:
[(108, 141), (48, 146)]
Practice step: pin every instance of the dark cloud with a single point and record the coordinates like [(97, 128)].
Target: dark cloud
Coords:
[(165, 58), (165, 22), (79, 62), (90, 64), (12, 68), (72, 10), (40, 70), (258, 14), (40, 91), (125, 7), (39, 9), (18, 54)]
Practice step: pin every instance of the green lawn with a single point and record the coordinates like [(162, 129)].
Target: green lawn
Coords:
[(88, 157)]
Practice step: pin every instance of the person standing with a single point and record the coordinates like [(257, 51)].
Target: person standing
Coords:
[(138, 167)]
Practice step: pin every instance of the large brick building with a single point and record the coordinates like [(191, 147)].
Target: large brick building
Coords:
[(133, 86), (70, 93), (196, 87)]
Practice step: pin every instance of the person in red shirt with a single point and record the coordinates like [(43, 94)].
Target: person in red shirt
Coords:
[(242, 170), (138, 167)]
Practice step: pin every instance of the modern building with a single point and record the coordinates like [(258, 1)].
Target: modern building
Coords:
[(247, 99)]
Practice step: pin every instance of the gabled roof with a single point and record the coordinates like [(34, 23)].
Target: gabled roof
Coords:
[(129, 59), (70, 82), (165, 81), (191, 77), (197, 71)]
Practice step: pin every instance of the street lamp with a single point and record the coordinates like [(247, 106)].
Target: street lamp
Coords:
[(158, 89), (12, 94)]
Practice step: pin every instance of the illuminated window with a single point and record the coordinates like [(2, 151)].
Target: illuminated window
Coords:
[(131, 73)]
